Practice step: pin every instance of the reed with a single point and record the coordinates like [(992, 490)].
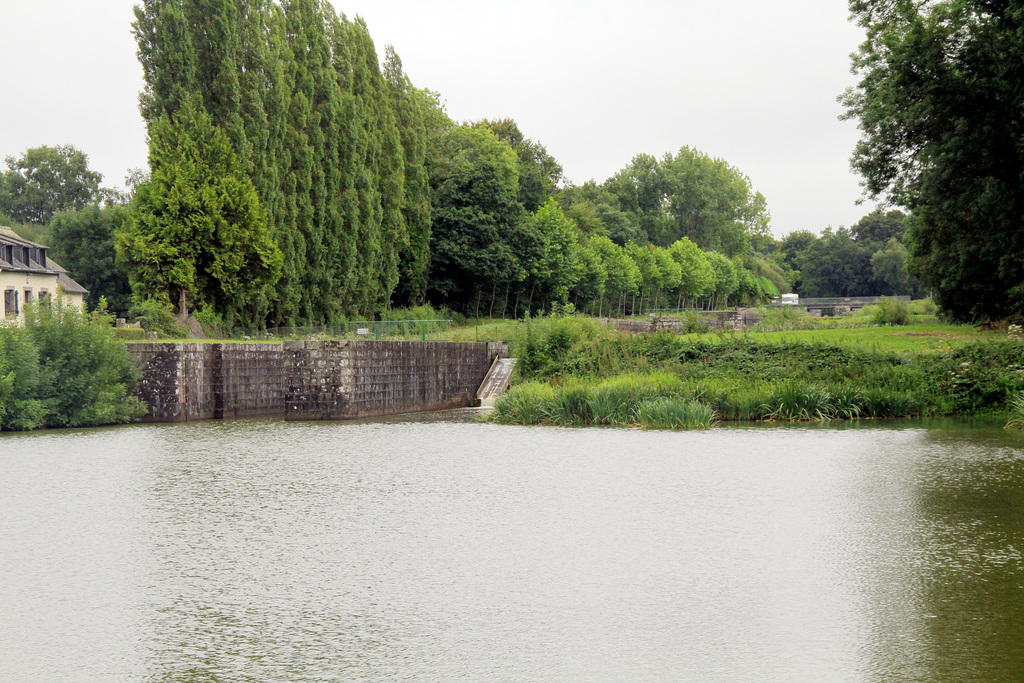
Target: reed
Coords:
[(525, 404), (674, 413)]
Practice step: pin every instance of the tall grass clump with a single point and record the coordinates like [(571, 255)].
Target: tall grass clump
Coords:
[(570, 405), (795, 401), (524, 404), (1016, 420), (674, 413), (617, 401)]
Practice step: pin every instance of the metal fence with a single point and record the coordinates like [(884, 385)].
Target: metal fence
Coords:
[(396, 330)]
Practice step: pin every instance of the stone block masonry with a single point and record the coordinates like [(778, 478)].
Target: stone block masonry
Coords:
[(322, 380)]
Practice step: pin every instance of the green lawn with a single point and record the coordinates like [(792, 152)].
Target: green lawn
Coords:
[(907, 339)]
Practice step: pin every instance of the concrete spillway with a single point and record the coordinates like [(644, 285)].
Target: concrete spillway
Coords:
[(496, 381)]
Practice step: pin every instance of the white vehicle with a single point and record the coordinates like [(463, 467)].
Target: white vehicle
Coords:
[(789, 299)]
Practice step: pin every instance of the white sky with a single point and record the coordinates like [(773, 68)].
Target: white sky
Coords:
[(595, 81)]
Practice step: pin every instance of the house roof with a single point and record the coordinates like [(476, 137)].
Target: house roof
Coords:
[(69, 285), (51, 267)]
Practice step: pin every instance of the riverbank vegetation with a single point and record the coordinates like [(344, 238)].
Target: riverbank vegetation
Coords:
[(570, 367), (64, 368)]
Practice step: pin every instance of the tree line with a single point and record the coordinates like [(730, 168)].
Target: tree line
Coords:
[(296, 178)]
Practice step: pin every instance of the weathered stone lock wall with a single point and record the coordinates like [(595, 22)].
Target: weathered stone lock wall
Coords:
[(347, 379), (321, 380)]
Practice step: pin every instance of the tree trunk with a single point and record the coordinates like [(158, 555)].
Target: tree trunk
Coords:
[(182, 304), (490, 311)]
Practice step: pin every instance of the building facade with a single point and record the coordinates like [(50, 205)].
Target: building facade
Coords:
[(28, 274)]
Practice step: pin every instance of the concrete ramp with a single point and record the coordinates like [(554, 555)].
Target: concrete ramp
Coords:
[(496, 381)]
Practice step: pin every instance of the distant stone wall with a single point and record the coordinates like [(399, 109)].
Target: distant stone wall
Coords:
[(307, 380), (347, 379), (248, 380), (177, 380)]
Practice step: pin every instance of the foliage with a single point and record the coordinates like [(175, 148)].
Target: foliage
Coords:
[(157, 316), (783, 318), (674, 413), (868, 259), (560, 264), (739, 375), (83, 242), (196, 234), (891, 312), (651, 401), (691, 194), (45, 180), (476, 243), (64, 369), (1016, 420), (938, 105), (335, 151), (539, 172)]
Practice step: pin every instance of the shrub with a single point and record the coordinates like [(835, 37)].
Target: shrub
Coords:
[(64, 369), (157, 316), (88, 368), (783, 319), (891, 311)]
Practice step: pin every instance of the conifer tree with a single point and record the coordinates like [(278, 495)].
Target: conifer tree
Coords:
[(196, 235)]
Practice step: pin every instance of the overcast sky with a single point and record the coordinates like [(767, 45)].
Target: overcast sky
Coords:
[(596, 81)]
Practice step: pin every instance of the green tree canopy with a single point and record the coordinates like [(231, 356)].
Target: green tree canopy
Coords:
[(83, 242), (476, 213), (196, 234), (45, 180), (539, 172), (939, 100), (693, 195), (560, 264)]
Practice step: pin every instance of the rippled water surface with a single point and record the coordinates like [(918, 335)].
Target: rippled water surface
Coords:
[(437, 549)]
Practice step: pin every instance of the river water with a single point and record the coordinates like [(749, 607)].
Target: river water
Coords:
[(438, 549)]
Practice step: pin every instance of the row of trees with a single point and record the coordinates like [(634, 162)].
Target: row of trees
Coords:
[(295, 180), (867, 259)]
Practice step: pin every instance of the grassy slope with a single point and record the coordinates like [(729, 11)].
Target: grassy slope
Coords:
[(919, 338)]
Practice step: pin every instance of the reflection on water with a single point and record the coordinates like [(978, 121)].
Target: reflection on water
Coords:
[(436, 549)]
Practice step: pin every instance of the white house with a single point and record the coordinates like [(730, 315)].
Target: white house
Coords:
[(27, 274)]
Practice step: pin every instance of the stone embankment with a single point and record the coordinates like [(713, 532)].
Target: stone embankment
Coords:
[(307, 380)]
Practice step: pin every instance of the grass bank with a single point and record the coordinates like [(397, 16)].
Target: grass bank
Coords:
[(568, 366)]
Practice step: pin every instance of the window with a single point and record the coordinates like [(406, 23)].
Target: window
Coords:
[(43, 297), (10, 302), (28, 297)]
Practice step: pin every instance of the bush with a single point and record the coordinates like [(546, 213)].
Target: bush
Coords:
[(784, 319), (65, 369), (891, 311), (157, 316)]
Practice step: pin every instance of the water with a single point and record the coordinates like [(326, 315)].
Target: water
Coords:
[(436, 549)]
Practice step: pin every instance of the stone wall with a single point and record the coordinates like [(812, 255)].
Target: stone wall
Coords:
[(177, 380), (307, 380), (248, 380), (347, 379)]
